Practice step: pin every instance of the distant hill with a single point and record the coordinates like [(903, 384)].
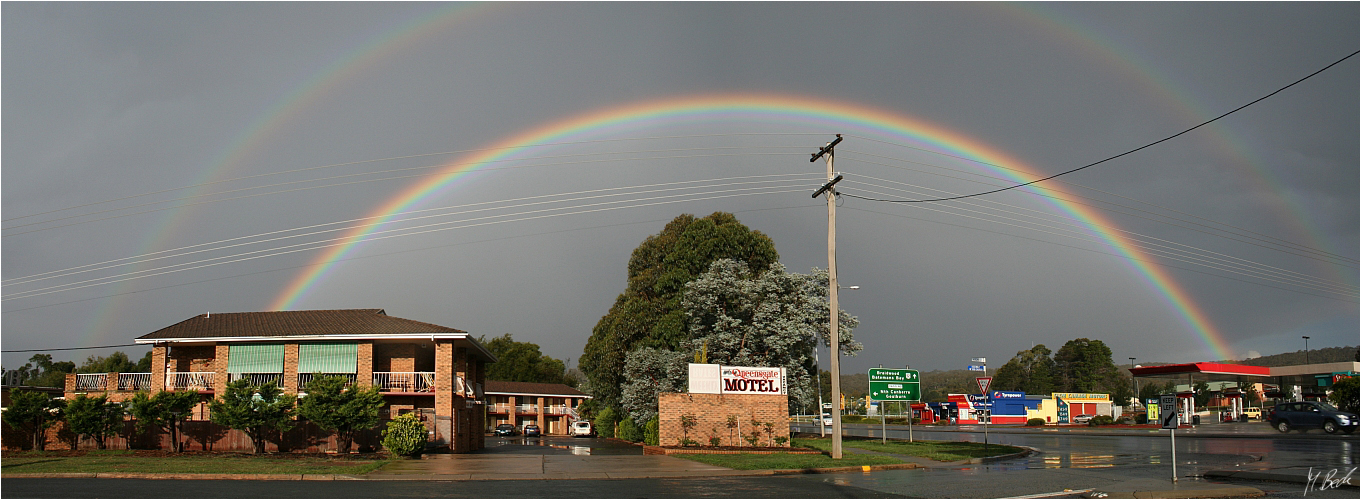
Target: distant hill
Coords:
[(1324, 355)]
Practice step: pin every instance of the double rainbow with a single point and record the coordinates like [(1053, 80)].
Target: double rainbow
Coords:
[(832, 116)]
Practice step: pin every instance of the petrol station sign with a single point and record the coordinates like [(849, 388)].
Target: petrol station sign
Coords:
[(894, 384)]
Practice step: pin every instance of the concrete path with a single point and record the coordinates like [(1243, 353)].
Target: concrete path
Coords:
[(484, 466)]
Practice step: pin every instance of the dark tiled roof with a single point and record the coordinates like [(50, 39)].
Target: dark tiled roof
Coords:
[(501, 386), (294, 323)]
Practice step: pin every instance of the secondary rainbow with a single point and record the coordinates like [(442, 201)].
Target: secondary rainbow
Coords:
[(832, 116)]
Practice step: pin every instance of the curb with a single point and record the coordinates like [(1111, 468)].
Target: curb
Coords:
[(1349, 480), (152, 475), (1098, 431), (838, 470), (1228, 492)]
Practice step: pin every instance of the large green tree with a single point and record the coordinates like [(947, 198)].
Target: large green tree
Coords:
[(649, 313), (522, 362), (1031, 371), (344, 411), (259, 411), (41, 371), (741, 318), (118, 362), (1085, 365), (1344, 394)]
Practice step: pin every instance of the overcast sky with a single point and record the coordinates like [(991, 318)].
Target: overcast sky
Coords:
[(106, 101)]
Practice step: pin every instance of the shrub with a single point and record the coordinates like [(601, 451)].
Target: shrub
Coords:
[(628, 431), (688, 421), (715, 441), (781, 440), (605, 423), (1101, 420), (405, 436), (652, 434), (1034, 422)]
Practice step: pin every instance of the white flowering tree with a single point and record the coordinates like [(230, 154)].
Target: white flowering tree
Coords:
[(741, 319)]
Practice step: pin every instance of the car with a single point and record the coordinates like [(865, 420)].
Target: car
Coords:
[(582, 428), (532, 430), (826, 419), (1305, 415), (1253, 413), (506, 430), (1082, 419)]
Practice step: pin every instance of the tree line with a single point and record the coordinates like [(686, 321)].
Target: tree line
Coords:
[(261, 411), (42, 371)]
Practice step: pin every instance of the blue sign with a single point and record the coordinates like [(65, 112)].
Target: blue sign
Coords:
[(1063, 411), (1008, 395), (975, 368)]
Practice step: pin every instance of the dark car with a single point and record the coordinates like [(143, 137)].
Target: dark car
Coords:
[(1305, 415), (506, 430), (532, 430)]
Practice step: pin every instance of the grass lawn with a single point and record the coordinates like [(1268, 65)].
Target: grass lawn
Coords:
[(185, 463), (787, 461), (941, 451)]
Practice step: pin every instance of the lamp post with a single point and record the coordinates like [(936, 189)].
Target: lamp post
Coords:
[(1306, 348), (1132, 381)]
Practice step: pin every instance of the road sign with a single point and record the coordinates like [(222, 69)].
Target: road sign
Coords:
[(1167, 410), (980, 360), (983, 383), (975, 368), (894, 384)]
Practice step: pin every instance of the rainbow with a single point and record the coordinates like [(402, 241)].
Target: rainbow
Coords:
[(832, 116)]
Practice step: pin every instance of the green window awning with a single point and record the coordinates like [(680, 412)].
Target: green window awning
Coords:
[(255, 358), (328, 358)]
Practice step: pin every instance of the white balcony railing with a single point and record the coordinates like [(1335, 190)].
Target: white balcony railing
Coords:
[(189, 381), (134, 381), (91, 381), (501, 408), (306, 378), (404, 381), (258, 378), (527, 409)]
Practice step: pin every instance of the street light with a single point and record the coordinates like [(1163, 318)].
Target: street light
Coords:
[(1132, 381), (1306, 348)]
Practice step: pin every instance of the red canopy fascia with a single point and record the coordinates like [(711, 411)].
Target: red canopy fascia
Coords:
[(1207, 368)]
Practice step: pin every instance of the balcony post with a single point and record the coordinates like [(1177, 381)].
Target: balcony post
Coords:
[(444, 392), (70, 385), (222, 351), (159, 353), (364, 365), (291, 367), (110, 383)]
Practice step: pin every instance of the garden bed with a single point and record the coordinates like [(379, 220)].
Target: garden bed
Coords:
[(725, 450)]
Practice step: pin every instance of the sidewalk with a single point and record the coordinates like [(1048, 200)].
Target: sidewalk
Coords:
[(1212, 430)]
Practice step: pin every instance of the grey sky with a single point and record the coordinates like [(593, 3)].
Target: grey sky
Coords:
[(107, 100)]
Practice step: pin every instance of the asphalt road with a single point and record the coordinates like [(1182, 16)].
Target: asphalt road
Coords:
[(1076, 462)]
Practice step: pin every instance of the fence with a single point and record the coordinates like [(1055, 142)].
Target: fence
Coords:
[(306, 378), (189, 381), (134, 381), (258, 378), (91, 381), (404, 381)]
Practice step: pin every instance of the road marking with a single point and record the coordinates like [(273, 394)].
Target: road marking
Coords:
[(1066, 492)]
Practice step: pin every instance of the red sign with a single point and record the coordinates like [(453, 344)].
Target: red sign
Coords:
[(983, 383)]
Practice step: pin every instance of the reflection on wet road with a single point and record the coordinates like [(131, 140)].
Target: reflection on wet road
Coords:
[(558, 445)]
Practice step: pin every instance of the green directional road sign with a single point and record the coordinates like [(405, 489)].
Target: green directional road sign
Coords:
[(894, 384)]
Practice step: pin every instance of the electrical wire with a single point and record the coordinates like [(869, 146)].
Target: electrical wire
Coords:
[(1162, 251), (1320, 255), (1132, 151), (69, 348)]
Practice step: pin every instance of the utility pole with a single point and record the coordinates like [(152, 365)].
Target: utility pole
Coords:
[(832, 179)]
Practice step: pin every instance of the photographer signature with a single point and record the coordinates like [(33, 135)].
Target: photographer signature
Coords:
[(1322, 482)]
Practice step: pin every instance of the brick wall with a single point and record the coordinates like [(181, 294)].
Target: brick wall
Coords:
[(712, 412), (394, 357), (192, 358)]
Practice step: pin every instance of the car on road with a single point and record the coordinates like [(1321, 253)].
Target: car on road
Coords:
[(1305, 415), (532, 430), (1253, 413), (582, 428), (506, 430), (1082, 419), (826, 419)]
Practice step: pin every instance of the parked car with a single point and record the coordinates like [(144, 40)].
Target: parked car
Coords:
[(1082, 419), (1305, 415), (1253, 413), (582, 428), (532, 430), (506, 430)]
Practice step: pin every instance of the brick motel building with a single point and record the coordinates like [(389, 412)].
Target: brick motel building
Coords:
[(550, 406), (436, 371)]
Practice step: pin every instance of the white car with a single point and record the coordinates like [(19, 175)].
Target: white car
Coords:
[(582, 428), (1082, 419)]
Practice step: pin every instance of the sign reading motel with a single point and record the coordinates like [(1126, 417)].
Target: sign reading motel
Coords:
[(718, 379)]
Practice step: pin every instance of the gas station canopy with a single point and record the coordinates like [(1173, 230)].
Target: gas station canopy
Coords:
[(1228, 371)]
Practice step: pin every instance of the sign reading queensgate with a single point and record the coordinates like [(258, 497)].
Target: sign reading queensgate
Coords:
[(718, 379)]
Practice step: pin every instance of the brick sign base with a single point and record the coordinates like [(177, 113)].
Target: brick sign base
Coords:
[(711, 411)]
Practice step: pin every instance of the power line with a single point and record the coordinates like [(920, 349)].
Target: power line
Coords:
[(70, 348), (1140, 148)]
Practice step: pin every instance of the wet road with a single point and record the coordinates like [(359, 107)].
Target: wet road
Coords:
[(1068, 461)]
